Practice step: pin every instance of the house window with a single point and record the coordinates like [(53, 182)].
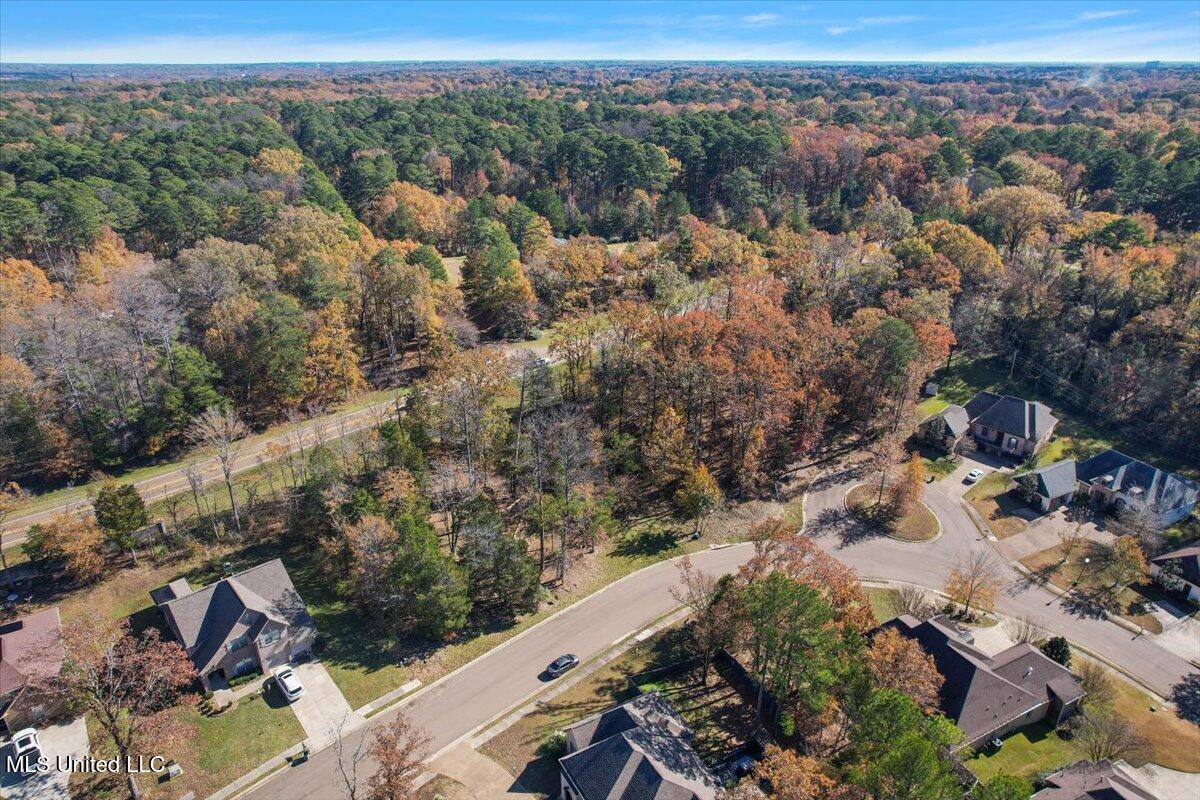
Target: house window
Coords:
[(270, 637), (238, 643), (243, 667)]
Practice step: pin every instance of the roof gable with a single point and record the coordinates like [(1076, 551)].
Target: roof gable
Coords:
[(1014, 416), (30, 647), (1053, 480), (1137, 480)]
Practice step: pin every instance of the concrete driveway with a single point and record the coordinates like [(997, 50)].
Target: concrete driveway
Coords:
[(322, 710), (69, 739)]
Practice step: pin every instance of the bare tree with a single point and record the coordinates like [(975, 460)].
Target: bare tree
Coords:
[(1104, 734), (973, 582), (223, 431), (1023, 630), (915, 601), (348, 759), (1096, 683)]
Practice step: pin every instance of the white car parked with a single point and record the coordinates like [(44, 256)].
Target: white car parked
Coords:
[(27, 749), (974, 475), (288, 682)]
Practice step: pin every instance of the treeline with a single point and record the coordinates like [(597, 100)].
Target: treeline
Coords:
[(173, 247)]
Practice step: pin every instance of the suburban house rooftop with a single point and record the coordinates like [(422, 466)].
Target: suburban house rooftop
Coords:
[(981, 693), (635, 751), (243, 603), (30, 648), (1014, 416), (1087, 780), (1159, 490)]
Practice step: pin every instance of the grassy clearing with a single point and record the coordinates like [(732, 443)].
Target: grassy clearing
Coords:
[(998, 505), (918, 526), (76, 493), (1026, 753), (1074, 573), (885, 603), (443, 788), (931, 405)]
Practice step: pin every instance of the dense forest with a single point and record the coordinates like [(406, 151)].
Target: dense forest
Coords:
[(809, 243)]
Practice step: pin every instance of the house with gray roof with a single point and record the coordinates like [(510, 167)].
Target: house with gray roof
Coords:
[(1088, 780), (1050, 486), (247, 621), (991, 696), (1187, 563), (1009, 425), (634, 751), (1123, 482), (946, 428)]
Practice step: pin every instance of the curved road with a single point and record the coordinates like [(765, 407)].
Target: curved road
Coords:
[(457, 705)]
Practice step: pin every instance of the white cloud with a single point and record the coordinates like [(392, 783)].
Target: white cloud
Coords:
[(898, 19), (1088, 16), (764, 18), (838, 30)]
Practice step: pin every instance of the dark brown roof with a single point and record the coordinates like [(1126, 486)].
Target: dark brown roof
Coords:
[(648, 708), (980, 693), (1086, 780), (30, 647)]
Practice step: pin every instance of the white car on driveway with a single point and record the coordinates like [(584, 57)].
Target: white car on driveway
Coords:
[(973, 475), (289, 683), (27, 749)]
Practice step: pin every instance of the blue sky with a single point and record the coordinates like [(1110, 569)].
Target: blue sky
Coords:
[(257, 31)]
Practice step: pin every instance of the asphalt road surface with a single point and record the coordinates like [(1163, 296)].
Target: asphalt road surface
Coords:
[(321, 429), (504, 678)]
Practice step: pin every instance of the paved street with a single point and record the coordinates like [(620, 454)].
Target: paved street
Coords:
[(505, 677)]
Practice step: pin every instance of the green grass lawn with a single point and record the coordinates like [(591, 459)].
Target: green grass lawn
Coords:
[(884, 602), (228, 745), (919, 525), (931, 405), (1026, 753)]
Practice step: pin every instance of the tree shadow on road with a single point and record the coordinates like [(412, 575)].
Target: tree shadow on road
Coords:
[(1186, 695)]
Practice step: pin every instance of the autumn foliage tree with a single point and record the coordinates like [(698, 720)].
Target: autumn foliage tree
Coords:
[(128, 685), (897, 662)]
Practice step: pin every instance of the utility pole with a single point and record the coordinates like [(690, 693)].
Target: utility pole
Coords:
[(1012, 365)]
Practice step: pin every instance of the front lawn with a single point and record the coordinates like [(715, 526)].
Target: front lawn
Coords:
[(219, 749), (1082, 572), (919, 525), (998, 504)]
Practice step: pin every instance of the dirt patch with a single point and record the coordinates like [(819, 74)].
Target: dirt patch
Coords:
[(918, 526), (445, 788)]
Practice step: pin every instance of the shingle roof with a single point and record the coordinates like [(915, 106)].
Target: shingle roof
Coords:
[(982, 694), (957, 421), (30, 647), (1054, 480), (1012, 415), (172, 591), (649, 708), (1161, 491), (1085, 780), (1189, 562), (643, 763), (243, 603)]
